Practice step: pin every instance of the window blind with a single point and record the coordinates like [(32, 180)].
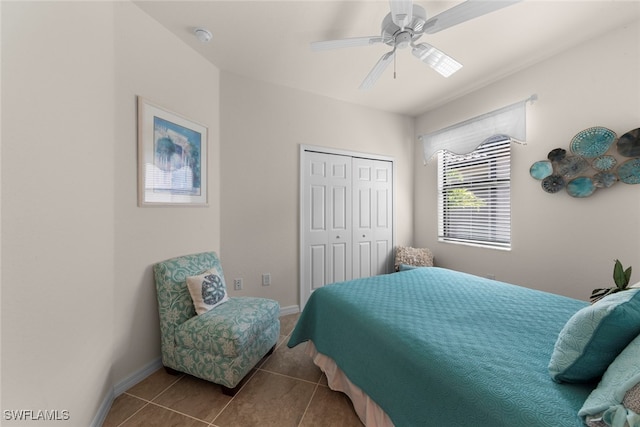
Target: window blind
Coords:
[(474, 195)]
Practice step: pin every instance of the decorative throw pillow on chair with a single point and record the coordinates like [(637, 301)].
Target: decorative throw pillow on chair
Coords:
[(208, 290)]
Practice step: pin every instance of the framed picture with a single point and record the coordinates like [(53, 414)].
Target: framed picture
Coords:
[(172, 158)]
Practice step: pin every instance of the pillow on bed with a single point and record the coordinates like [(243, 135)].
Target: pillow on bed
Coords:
[(416, 257), (616, 400), (625, 415), (208, 290), (594, 336)]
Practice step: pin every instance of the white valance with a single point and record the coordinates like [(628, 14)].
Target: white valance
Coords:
[(465, 137)]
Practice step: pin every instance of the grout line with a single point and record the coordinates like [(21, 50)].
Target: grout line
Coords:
[(132, 415), (157, 395), (308, 405), (168, 387), (288, 376), (149, 402), (286, 339), (211, 424), (178, 412), (146, 403)]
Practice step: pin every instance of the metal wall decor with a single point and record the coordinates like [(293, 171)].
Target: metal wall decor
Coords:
[(591, 163)]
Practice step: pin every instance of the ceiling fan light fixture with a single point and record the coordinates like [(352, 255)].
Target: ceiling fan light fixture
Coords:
[(403, 39), (203, 35)]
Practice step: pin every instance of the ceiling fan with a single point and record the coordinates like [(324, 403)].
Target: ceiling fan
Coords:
[(405, 24)]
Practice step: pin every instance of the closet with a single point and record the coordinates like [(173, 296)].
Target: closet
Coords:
[(346, 217)]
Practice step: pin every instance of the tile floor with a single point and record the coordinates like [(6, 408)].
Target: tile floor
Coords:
[(285, 389)]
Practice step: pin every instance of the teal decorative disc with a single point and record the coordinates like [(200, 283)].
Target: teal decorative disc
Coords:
[(592, 142), (581, 186), (541, 169), (629, 144), (572, 166), (604, 179), (553, 183), (629, 171), (604, 163)]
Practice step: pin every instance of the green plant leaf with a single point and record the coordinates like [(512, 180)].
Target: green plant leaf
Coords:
[(627, 276), (618, 275)]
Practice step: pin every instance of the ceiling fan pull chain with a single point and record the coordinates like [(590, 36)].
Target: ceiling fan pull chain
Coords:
[(394, 65)]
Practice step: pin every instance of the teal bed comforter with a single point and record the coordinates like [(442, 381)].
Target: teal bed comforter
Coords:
[(436, 347)]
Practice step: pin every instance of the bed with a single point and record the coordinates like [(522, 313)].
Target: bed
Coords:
[(436, 347)]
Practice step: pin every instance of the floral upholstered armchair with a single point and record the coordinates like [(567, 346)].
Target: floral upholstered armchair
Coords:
[(231, 335)]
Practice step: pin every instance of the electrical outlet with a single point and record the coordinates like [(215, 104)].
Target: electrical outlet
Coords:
[(266, 279), (491, 276), (237, 284)]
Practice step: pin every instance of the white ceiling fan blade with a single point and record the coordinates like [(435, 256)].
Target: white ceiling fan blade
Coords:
[(436, 59), (401, 12), (377, 70), (350, 42), (462, 12)]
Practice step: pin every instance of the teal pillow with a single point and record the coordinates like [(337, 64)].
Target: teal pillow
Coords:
[(621, 376), (594, 336)]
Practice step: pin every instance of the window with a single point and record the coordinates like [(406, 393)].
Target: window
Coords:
[(474, 196)]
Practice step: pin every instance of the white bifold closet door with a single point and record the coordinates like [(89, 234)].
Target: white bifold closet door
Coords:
[(346, 219), (372, 217)]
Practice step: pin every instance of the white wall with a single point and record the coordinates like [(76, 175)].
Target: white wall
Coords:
[(58, 163), (560, 244), (79, 311), (262, 127), (153, 63)]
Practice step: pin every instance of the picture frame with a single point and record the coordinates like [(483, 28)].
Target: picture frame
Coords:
[(172, 158)]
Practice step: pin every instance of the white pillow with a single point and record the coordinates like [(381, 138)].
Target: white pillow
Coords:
[(635, 285), (208, 290), (612, 397)]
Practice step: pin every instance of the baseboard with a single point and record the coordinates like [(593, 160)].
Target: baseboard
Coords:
[(292, 309), (123, 386), (103, 410), (137, 376)]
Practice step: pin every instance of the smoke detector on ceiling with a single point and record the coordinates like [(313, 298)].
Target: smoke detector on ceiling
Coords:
[(203, 35)]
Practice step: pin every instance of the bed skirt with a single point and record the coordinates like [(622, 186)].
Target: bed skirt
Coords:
[(368, 411)]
